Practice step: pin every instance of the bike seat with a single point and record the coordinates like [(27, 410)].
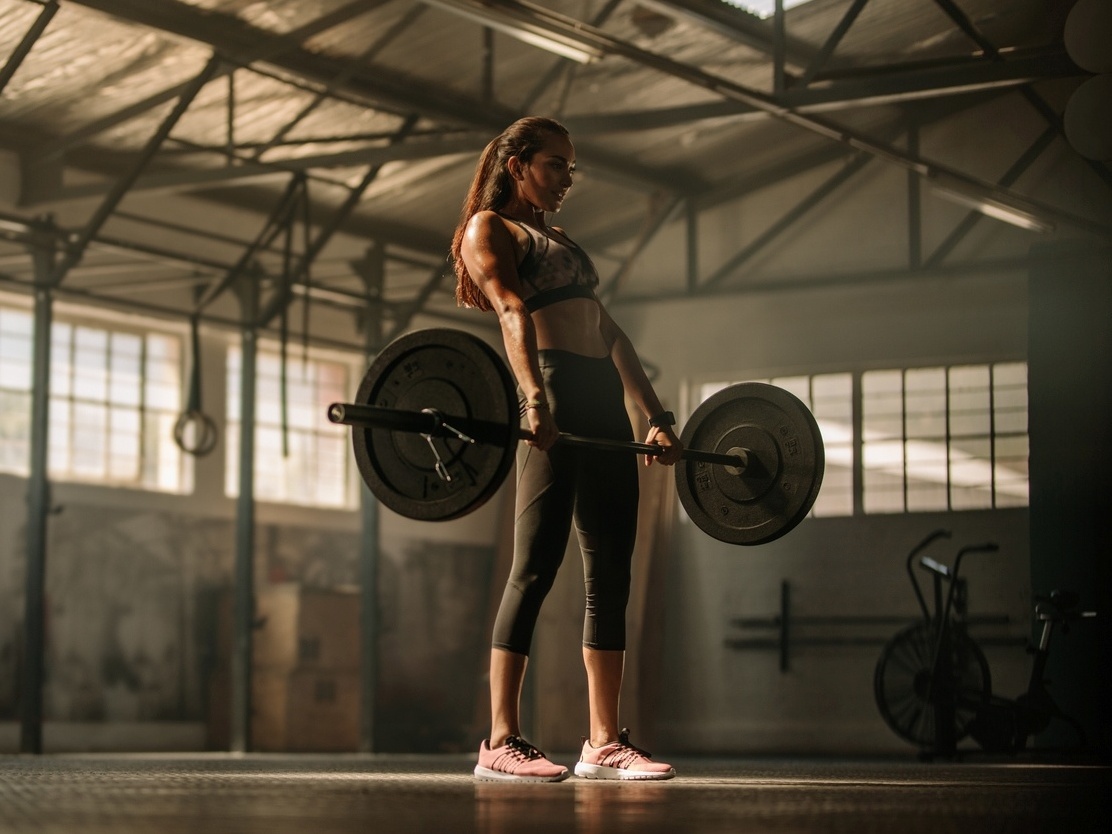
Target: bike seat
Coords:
[(1058, 605)]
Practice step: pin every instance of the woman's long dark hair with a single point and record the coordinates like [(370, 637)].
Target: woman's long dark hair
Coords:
[(492, 188)]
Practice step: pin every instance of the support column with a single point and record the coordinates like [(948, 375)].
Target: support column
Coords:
[(38, 508), (372, 269), (1069, 391), (243, 606)]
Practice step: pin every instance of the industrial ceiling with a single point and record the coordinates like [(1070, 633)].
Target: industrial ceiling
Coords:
[(162, 155)]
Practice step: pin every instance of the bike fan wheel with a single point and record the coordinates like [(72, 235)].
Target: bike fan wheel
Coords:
[(902, 684)]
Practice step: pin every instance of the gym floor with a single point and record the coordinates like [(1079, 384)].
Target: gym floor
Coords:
[(354, 793)]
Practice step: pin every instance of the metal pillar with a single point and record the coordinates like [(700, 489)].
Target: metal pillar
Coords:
[(243, 606), (691, 219), (373, 272), (38, 508), (914, 204)]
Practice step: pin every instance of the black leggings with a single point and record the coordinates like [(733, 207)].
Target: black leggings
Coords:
[(598, 489)]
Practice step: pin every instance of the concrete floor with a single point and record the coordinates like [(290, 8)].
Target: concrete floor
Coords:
[(167, 794)]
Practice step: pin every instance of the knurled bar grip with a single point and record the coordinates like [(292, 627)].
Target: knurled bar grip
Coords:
[(487, 431)]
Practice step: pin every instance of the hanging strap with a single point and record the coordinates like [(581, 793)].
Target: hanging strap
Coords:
[(204, 435)]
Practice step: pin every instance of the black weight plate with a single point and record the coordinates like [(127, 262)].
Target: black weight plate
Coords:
[(786, 463), (458, 375)]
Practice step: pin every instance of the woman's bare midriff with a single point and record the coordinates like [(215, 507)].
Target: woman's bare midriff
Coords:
[(571, 325)]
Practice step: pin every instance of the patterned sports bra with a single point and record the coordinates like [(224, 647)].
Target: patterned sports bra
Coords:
[(554, 269)]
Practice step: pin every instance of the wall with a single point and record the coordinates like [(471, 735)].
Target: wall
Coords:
[(719, 699), (1071, 481), (134, 581), (131, 576)]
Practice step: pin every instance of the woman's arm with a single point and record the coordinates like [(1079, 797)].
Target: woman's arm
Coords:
[(491, 258), (637, 385)]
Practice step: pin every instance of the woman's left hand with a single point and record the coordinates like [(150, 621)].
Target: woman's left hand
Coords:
[(666, 438)]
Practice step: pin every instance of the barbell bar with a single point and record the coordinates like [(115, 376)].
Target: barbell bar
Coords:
[(436, 422)]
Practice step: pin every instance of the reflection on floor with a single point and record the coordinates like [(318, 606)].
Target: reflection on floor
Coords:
[(275, 794)]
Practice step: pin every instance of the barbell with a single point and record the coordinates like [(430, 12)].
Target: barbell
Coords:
[(436, 422)]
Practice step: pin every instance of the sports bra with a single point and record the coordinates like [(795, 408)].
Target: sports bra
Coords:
[(554, 269)]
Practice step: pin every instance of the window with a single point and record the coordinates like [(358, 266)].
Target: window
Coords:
[(16, 328), (830, 399), (115, 394), (309, 462), (931, 439), (763, 9), (937, 439)]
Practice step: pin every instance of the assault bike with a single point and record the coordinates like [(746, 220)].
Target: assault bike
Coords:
[(932, 682)]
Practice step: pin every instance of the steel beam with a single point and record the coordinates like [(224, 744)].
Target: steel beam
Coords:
[(661, 208), (247, 170), (377, 87), (23, 48), (947, 246), (893, 84), (281, 298), (388, 37), (831, 43), (737, 25), (432, 283), (1014, 267), (914, 205), (593, 38), (280, 215), (83, 134), (76, 250), (828, 187)]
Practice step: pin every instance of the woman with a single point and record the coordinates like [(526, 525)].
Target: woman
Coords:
[(573, 366)]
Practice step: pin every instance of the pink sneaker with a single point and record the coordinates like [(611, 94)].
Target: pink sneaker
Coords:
[(516, 761), (620, 760)]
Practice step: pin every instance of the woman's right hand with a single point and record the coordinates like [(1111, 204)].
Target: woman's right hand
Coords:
[(543, 426)]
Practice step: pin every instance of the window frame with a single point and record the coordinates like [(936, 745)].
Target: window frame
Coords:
[(696, 390), (269, 349), (154, 420)]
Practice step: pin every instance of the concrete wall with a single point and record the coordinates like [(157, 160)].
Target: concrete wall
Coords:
[(134, 581), (721, 699)]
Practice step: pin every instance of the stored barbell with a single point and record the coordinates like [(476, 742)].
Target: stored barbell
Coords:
[(436, 422)]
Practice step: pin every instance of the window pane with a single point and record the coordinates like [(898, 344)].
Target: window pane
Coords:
[(882, 405), (308, 460), (927, 475), (90, 360), (1009, 382), (798, 385), (98, 420), (89, 423), (61, 367), (709, 390), (60, 440), (334, 384), (883, 492), (832, 406), (16, 336), (125, 369), (969, 402), (882, 447), (15, 432), (925, 400), (163, 374)]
